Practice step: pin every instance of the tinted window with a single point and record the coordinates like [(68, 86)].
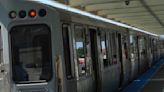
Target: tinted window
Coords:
[(31, 53)]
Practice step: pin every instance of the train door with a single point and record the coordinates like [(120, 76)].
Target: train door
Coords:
[(138, 50), (124, 58), (126, 62), (83, 61), (142, 54), (140, 58), (137, 55), (94, 56), (147, 61), (150, 52), (134, 56), (120, 58), (4, 85), (156, 50), (153, 51)]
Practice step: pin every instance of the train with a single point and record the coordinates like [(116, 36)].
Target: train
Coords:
[(49, 47)]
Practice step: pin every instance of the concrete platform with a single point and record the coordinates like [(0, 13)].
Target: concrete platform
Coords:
[(156, 84), (150, 81)]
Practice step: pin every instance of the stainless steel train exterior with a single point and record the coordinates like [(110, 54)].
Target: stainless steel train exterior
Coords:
[(46, 49)]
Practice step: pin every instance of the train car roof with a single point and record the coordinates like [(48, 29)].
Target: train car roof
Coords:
[(86, 14)]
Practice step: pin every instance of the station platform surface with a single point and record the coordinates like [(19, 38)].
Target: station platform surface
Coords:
[(150, 81)]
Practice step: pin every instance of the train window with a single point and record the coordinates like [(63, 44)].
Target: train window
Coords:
[(1, 50), (104, 46), (80, 49), (31, 53), (67, 51)]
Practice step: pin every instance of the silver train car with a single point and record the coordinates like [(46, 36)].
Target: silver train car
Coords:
[(44, 48)]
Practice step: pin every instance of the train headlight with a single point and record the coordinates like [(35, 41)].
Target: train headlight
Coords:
[(32, 13), (12, 14), (22, 14), (42, 12)]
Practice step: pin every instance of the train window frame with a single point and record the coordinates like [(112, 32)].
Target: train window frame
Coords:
[(106, 45), (87, 50), (38, 46), (69, 74), (82, 29)]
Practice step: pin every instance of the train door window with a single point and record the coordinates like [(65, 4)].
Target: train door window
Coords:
[(150, 48), (155, 42), (65, 31), (126, 50), (125, 46), (80, 49), (155, 48), (119, 42), (1, 50), (150, 45), (142, 47), (131, 44), (104, 48), (114, 48), (133, 47), (145, 45), (31, 53)]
